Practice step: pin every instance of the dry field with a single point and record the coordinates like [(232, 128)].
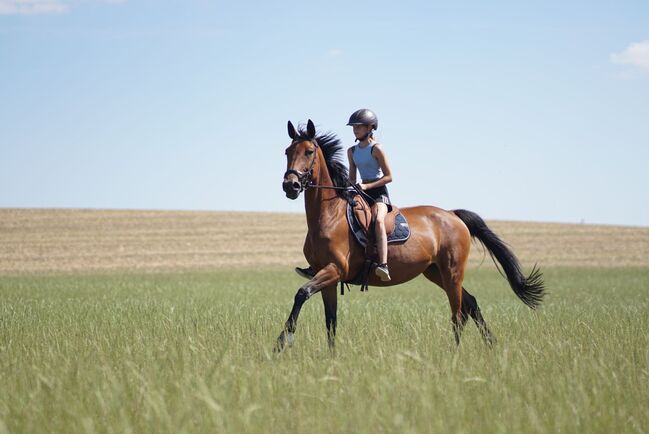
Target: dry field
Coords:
[(71, 240)]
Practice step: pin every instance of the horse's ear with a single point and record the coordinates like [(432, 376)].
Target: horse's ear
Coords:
[(310, 129), (291, 130)]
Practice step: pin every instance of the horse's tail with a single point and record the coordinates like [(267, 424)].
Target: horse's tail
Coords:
[(529, 289)]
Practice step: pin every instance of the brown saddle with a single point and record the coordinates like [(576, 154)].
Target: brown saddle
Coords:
[(361, 222)]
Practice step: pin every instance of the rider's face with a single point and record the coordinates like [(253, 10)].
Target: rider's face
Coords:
[(360, 131)]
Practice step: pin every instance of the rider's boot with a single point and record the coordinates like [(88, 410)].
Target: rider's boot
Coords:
[(383, 272)]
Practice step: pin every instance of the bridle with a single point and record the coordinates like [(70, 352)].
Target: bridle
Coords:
[(305, 178)]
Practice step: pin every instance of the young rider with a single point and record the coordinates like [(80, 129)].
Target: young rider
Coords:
[(369, 158)]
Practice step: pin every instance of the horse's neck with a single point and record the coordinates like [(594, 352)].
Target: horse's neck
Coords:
[(322, 211), (322, 204)]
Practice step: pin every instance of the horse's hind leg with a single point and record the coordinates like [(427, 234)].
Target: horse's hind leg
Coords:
[(468, 306), (452, 284)]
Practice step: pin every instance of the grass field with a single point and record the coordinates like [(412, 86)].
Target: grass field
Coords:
[(187, 350)]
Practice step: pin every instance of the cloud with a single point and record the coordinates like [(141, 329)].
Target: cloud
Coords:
[(636, 55), (335, 52), (32, 7), (40, 7)]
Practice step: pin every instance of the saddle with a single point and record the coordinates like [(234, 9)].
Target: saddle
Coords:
[(359, 218)]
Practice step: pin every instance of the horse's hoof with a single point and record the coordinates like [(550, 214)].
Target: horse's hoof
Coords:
[(281, 343), (282, 340), (490, 340)]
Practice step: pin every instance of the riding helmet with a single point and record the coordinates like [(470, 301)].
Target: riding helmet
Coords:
[(364, 117)]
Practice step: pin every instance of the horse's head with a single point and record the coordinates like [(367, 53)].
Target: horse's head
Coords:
[(301, 156)]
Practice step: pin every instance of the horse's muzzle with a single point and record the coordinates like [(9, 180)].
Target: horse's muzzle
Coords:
[(291, 188)]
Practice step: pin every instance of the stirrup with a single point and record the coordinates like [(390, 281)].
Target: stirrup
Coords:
[(307, 273), (383, 272)]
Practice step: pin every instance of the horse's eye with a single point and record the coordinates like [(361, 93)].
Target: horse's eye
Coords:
[(308, 153)]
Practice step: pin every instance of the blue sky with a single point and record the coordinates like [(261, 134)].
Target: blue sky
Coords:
[(516, 110)]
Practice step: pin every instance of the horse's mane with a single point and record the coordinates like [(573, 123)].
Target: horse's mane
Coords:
[(334, 156)]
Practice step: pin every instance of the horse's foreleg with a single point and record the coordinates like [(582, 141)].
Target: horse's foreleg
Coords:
[(328, 276), (330, 300), (286, 336)]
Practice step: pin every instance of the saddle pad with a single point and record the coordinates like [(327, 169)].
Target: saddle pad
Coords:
[(400, 233)]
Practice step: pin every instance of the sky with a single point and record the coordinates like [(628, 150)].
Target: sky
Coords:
[(535, 110)]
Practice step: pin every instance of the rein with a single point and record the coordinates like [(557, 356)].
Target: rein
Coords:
[(332, 187)]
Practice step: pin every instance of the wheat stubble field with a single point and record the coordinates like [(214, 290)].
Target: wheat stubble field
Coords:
[(161, 321)]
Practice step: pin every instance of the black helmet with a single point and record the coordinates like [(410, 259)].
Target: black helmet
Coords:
[(364, 117)]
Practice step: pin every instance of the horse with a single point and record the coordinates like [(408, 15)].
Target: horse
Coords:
[(438, 246)]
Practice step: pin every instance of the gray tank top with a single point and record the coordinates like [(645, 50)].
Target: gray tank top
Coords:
[(366, 163)]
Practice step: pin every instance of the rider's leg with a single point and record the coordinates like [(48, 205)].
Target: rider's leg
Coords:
[(381, 210), (381, 238)]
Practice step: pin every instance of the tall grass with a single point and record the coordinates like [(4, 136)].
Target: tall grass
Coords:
[(193, 353)]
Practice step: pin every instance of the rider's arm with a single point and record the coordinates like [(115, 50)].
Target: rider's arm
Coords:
[(378, 153), (352, 166)]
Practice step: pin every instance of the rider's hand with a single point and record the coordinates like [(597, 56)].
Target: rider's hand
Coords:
[(361, 186)]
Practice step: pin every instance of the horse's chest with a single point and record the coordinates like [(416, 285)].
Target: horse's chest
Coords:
[(318, 246)]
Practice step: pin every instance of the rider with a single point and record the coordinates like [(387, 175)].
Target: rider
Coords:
[(370, 160)]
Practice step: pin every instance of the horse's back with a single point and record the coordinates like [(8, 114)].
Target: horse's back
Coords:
[(442, 227), (427, 213)]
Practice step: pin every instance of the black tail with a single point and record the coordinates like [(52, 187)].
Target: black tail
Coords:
[(531, 289)]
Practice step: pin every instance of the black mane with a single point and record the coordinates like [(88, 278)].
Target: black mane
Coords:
[(334, 156)]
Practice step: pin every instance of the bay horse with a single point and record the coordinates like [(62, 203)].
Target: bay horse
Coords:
[(438, 246)]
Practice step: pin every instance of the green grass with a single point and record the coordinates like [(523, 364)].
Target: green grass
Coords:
[(192, 352)]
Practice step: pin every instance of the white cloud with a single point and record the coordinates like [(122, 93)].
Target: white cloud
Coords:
[(32, 7), (335, 52), (636, 54), (40, 7)]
